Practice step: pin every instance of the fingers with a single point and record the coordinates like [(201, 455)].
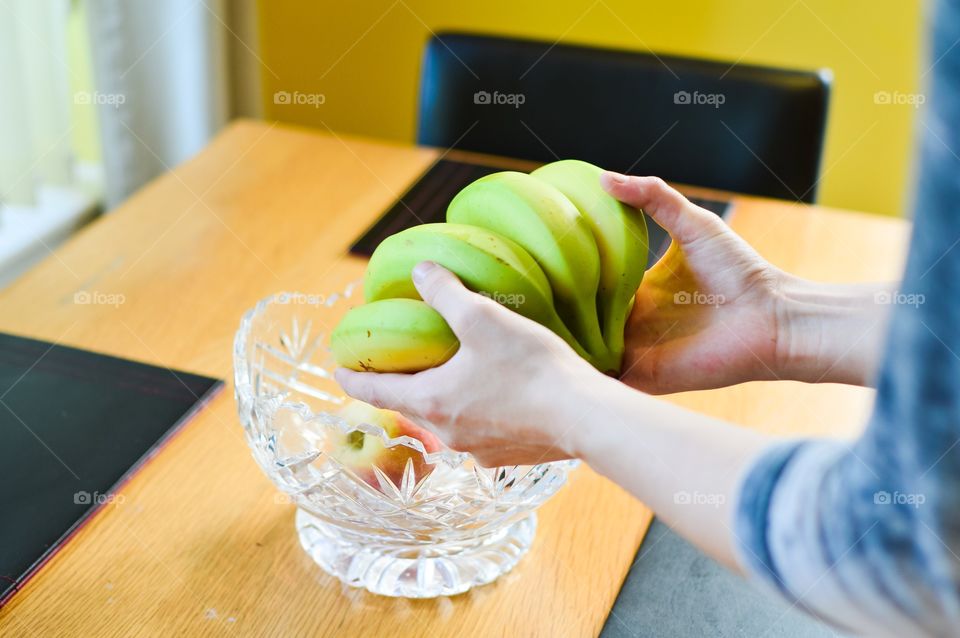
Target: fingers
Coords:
[(446, 294), (391, 391), (671, 210), (443, 291)]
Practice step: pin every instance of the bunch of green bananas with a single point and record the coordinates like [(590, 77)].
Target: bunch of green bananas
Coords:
[(551, 245)]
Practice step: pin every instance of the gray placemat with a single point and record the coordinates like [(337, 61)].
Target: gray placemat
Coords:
[(675, 590)]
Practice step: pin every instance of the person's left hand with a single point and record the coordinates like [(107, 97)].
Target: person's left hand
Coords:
[(513, 394)]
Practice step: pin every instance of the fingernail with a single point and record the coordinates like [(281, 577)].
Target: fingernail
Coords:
[(421, 270), (616, 178)]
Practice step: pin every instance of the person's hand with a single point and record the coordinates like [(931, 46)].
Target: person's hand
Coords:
[(513, 394), (706, 315)]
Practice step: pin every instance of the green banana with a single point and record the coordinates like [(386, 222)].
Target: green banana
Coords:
[(392, 335), (621, 235), (537, 216), (485, 262)]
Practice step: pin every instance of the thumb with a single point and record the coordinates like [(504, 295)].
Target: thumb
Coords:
[(442, 290), (381, 390), (684, 221)]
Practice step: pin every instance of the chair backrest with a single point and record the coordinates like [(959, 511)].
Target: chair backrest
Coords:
[(735, 127)]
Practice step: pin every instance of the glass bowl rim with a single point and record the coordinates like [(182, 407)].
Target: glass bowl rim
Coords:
[(275, 402)]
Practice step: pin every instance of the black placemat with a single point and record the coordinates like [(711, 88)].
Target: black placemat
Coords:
[(74, 425), (427, 200)]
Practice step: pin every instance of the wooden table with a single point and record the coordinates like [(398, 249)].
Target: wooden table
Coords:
[(200, 545)]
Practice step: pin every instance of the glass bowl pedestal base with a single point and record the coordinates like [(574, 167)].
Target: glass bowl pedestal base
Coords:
[(397, 569)]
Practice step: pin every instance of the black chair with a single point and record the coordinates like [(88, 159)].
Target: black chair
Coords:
[(734, 127)]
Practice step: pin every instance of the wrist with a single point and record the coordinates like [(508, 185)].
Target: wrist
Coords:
[(596, 409), (796, 330), (827, 332)]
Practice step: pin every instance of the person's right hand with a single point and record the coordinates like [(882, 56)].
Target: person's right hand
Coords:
[(706, 315)]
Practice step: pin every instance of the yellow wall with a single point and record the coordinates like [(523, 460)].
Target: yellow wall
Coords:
[(364, 56), (86, 143)]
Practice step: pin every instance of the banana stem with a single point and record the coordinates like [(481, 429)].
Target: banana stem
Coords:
[(615, 322), (558, 327), (581, 318)]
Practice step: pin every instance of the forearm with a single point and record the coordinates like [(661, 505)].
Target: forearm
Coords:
[(685, 466), (830, 333)]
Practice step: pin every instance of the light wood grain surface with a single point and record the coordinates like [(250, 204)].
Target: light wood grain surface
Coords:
[(200, 545)]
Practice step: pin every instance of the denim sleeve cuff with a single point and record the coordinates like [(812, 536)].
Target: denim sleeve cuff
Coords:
[(750, 517), (794, 523)]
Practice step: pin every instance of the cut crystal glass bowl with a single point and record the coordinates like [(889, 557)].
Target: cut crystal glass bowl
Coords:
[(376, 507)]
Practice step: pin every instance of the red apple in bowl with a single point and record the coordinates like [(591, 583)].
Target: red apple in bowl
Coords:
[(361, 453)]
